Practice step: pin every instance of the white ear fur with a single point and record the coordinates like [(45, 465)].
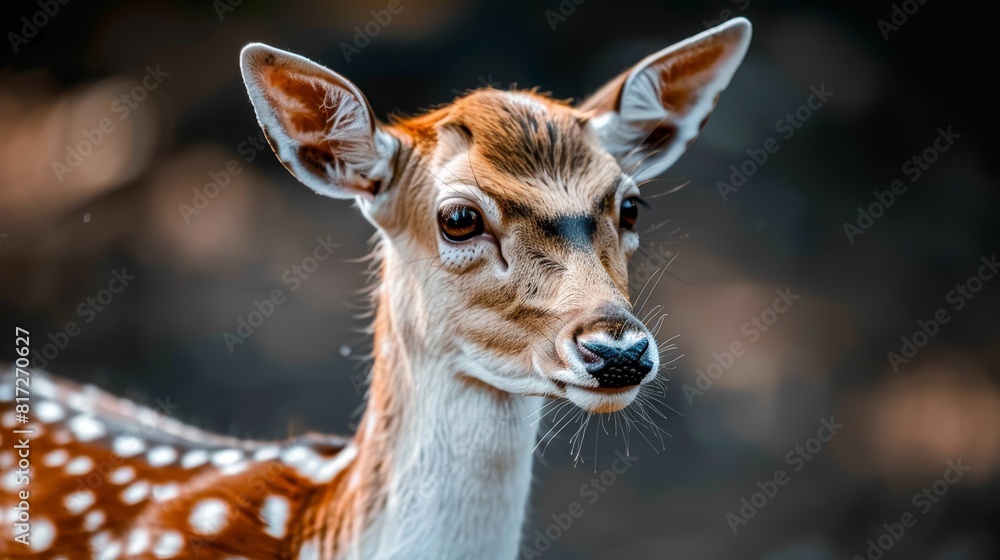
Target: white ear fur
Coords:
[(318, 123), (648, 116)]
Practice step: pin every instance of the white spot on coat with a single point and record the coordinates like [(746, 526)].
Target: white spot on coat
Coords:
[(43, 534), (78, 502), (234, 468), (209, 517), (226, 457), (267, 453), (49, 412), (138, 542), (161, 456), (10, 482), (168, 545), (43, 387), (110, 551), (309, 550), (122, 475), (136, 493), (93, 520), (87, 428), (55, 458), (312, 465), (80, 465), (128, 446), (194, 458), (274, 513), (164, 492)]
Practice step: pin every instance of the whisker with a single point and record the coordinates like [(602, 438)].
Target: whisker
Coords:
[(643, 436), (541, 408), (578, 414), (577, 440), (654, 227), (555, 423), (597, 438), (685, 183), (658, 278), (651, 312), (672, 361), (648, 280), (659, 323)]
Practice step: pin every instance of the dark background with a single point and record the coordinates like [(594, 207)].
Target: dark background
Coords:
[(302, 369)]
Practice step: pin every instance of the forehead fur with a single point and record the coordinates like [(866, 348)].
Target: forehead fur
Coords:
[(523, 148), (528, 136), (522, 134)]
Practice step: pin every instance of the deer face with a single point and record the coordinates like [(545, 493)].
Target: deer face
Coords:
[(507, 218)]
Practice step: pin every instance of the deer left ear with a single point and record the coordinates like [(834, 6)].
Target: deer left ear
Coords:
[(318, 123), (649, 115)]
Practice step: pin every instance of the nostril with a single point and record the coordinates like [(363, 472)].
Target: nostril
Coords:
[(588, 355), (602, 351)]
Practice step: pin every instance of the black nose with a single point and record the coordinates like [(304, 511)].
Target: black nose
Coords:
[(618, 366)]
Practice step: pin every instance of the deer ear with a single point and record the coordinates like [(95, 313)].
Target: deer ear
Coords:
[(318, 123), (649, 115)]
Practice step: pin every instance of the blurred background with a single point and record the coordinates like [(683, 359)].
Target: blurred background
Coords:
[(129, 148)]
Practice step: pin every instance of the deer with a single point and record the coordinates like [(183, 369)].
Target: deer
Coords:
[(505, 222)]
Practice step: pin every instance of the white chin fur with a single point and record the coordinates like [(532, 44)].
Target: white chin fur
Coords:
[(600, 401)]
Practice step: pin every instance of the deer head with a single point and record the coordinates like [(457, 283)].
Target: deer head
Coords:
[(506, 219)]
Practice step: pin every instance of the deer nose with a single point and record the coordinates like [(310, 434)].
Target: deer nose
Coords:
[(616, 363)]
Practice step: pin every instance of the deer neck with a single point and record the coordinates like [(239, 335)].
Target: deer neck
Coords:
[(443, 461)]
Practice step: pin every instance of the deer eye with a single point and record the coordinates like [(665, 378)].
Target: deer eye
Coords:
[(460, 222), (629, 212)]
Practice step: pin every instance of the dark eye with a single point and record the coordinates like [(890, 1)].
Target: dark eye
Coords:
[(460, 222), (629, 213)]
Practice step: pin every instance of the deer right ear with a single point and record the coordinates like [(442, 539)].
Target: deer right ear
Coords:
[(648, 116), (318, 123)]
